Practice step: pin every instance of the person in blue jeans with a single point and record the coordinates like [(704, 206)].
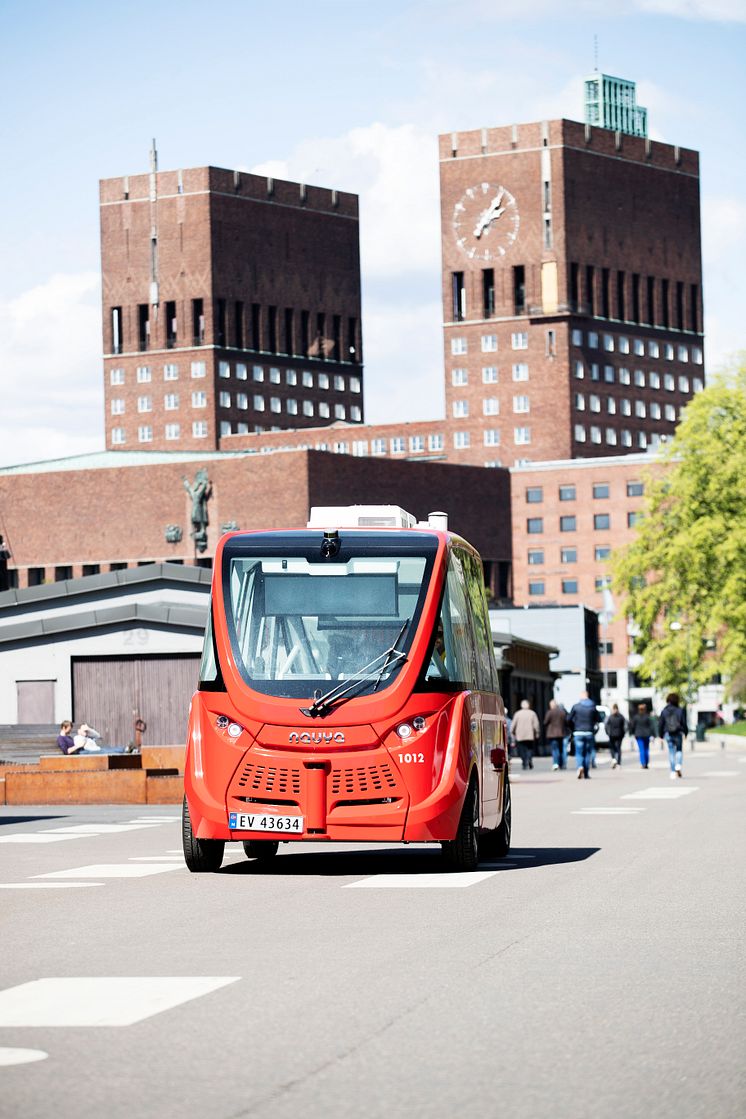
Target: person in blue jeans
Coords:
[(584, 718), (672, 727), (641, 728)]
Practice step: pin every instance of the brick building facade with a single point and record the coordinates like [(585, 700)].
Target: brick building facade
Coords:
[(572, 300), (231, 303)]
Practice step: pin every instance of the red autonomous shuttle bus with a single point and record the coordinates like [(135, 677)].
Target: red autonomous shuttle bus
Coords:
[(348, 691)]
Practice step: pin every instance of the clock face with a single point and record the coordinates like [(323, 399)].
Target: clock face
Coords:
[(485, 221)]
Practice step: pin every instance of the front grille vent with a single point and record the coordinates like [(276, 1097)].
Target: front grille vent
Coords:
[(363, 779), (266, 779)]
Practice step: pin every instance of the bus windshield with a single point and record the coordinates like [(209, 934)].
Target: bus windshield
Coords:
[(296, 624)]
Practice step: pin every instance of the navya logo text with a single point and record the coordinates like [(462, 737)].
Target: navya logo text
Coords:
[(319, 736)]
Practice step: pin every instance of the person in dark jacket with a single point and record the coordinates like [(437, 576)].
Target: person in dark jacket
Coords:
[(672, 727), (555, 730), (584, 719), (65, 740), (641, 727), (616, 728)]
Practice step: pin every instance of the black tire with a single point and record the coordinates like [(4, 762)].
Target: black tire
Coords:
[(462, 853), (261, 848), (200, 855)]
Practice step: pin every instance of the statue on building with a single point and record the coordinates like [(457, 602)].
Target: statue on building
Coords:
[(200, 492)]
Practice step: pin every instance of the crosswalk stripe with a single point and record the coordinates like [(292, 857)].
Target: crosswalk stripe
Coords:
[(113, 870), (661, 793), (441, 881), (33, 837), (46, 885)]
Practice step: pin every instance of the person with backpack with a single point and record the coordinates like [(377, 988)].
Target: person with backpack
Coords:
[(672, 727), (616, 728), (584, 718)]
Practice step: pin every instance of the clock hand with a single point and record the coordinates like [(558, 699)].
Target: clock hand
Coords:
[(487, 218)]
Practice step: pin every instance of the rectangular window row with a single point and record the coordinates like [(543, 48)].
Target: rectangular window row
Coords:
[(484, 295), (626, 407), (488, 342), (601, 491), (651, 378), (601, 523), (253, 326), (607, 293), (199, 430)]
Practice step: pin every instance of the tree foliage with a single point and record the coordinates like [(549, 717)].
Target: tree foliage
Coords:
[(687, 563)]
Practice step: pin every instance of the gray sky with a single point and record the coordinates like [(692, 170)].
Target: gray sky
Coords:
[(344, 93)]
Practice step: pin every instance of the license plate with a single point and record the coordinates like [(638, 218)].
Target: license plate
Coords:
[(265, 821)]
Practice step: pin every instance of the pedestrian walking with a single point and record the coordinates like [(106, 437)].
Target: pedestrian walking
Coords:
[(555, 732), (526, 731), (584, 719), (672, 727), (616, 728), (641, 728)]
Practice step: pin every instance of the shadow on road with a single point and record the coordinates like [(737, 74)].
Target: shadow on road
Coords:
[(394, 860), (30, 819)]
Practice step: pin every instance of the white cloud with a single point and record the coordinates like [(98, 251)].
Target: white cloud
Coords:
[(404, 361), (50, 364), (716, 11), (723, 249)]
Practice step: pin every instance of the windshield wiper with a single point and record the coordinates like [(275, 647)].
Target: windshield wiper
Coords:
[(322, 704)]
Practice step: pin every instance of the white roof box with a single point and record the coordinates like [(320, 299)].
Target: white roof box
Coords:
[(360, 516)]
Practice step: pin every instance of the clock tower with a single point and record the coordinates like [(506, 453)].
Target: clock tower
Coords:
[(571, 291)]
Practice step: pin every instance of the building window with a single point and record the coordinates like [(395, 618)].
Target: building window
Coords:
[(323, 380), (655, 410), (623, 344), (224, 369), (397, 445), (567, 493), (291, 407), (356, 413), (145, 434), (683, 384), (460, 408), (416, 444), (568, 524), (595, 371), (593, 339), (339, 383), (601, 552), (668, 351), (522, 435), (143, 374), (633, 519), (241, 371), (534, 525), (491, 406), (435, 442), (199, 369), (258, 403), (458, 295), (519, 290), (461, 440), (307, 408), (609, 374), (225, 400), (275, 376), (519, 340), (291, 377), (143, 326), (378, 446), (642, 440), (579, 370), (198, 322), (626, 438), (488, 292), (173, 431), (640, 378), (144, 404), (275, 404), (360, 447), (624, 377), (339, 412), (569, 586), (199, 429), (459, 377), (594, 403), (654, 380), (640, 409), (577, 337), (242, 401), (608, 342), (307, 379), (117, 436), (489, 343), (520, 371), (579, 433), (116, 330), (491, 437), (489, 375), (611, 405), (697, 355), (668, 382), (117, 407), (601, 491), (626, 407), (225, 427), (670, 412), (536, 587), (569, 555), (534, 495), (535, 556), (610, 436), (171, 401), (199, 400), (257, 373), (458, 346), (116, 377), (521, 404), (355, 385), (601, 521)]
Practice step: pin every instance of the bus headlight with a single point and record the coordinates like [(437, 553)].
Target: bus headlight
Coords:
[(234, 730), (404, 730)]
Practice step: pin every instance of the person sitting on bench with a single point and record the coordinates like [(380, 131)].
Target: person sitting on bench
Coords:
[(65, 740)]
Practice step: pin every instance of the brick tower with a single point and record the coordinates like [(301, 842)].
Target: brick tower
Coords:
[(572, 290), (231, 303)]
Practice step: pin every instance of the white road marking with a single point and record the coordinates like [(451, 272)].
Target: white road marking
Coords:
[(46, 885), (662, 793), (95, 829), (156, 820), (21, 1056), (156, 858), (446, 880), (33, 837), (119, 1001), (112, 870), (607, 811), (723, 773)]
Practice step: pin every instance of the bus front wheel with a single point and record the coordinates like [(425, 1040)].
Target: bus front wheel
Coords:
[(462, 853), (200, 855)]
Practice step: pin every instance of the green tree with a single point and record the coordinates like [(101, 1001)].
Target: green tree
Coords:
[(687, 563)]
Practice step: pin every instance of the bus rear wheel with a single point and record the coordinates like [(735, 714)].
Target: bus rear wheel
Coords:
[(260, 848), (496, 844), (200, 855), (462, 853)]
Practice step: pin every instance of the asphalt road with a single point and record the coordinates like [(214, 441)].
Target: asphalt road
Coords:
[(596, 972)]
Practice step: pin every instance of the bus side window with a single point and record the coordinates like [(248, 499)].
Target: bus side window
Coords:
[(457, 627), (486, 670)]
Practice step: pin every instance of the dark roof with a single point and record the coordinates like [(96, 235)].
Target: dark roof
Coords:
[(173, 615), (110, 580)]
